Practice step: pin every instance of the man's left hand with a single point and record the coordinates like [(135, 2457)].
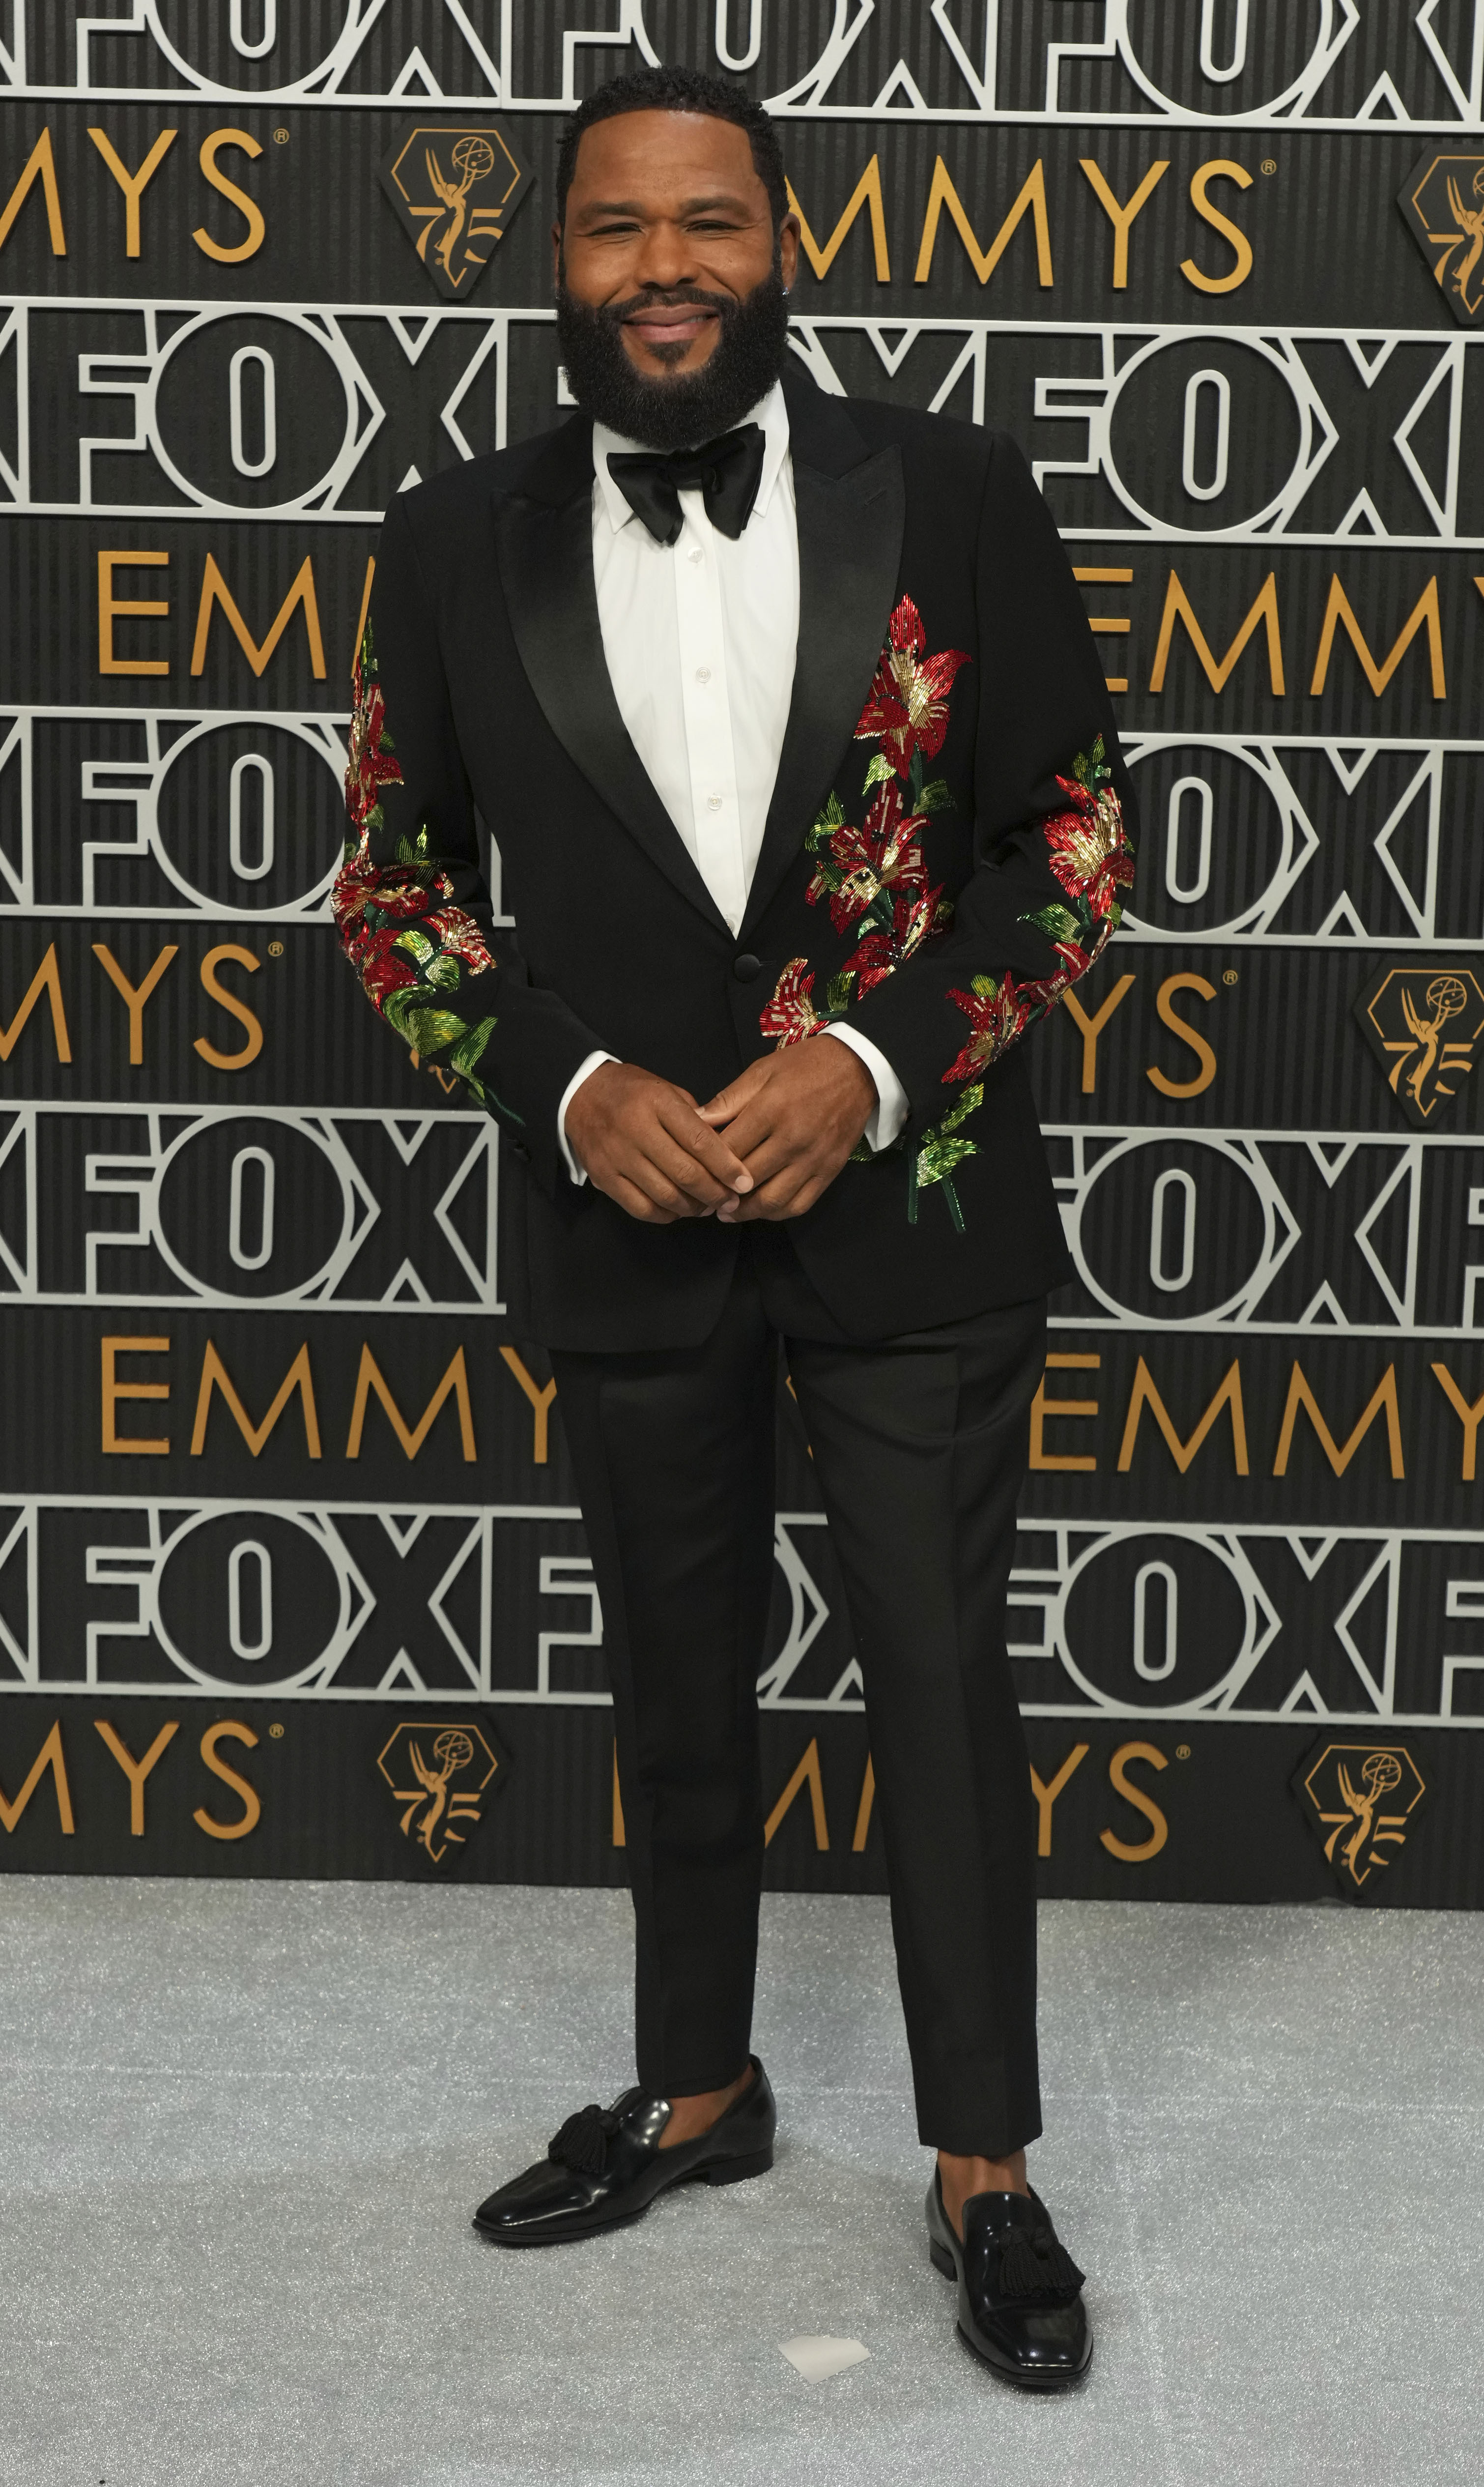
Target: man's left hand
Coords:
[(792, 1119)]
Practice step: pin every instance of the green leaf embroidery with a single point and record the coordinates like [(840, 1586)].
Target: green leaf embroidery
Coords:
[(876, 773), (838, 994), (985, 987), (1057, 923), (936, 797), (969, 1103), (937, 1154), (446, 972), (470, 1049), (416, 945), (428, 1029)]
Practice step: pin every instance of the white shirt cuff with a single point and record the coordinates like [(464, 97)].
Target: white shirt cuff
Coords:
[(583, 1070), (890, 1112)]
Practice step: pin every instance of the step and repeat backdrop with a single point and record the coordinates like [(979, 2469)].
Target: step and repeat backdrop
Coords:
[(292, 1575)]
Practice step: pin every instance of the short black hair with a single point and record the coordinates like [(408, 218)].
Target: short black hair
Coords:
[(677, 90)]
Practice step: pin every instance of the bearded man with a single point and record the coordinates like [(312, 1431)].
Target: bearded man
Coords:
[(786, 720)]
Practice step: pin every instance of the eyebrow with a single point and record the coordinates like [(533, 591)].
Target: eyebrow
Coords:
[(636, 208)]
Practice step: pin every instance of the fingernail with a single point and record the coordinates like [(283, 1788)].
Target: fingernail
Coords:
[(743, 1183)]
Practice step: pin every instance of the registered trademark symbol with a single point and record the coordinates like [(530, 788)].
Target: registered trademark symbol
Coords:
[(1228, 974), (1267, 163), (1182, 1752), (275, 1730), (277, 951), (281, 139)]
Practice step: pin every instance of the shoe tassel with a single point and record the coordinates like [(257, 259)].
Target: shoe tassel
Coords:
[(1037, 2267), (582, 2143)]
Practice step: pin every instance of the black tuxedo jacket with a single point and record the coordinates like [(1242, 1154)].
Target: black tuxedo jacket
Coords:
[(943, 854)]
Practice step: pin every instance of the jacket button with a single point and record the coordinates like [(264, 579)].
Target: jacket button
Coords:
[(518, 1149), (745, 967)]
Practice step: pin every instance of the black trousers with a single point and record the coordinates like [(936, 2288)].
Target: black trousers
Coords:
[(919, 1447)]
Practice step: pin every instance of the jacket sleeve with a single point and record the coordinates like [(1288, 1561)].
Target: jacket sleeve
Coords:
[(1053, 845), (410, 902)]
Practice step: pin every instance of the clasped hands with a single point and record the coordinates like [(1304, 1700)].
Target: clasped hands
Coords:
[(767, 1146)]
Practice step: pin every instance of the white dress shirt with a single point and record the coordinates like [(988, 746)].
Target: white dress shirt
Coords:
[(700, 638)]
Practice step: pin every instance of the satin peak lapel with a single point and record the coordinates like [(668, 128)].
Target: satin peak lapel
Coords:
[(849, 555), (545, 559)]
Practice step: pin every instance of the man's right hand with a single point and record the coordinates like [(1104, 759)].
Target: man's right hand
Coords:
[(641, 1141)]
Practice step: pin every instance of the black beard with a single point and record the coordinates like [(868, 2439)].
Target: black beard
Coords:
[(665, 414)]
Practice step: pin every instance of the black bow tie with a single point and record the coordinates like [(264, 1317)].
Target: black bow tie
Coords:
[(726, 471)]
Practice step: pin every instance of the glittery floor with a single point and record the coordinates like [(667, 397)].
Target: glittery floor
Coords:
[(244, 2126)]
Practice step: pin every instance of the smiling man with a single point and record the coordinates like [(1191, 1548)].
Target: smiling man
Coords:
[(785, 717)]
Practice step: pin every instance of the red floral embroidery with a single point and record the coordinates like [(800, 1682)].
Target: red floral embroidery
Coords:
[(996, 1013), (791, 1014), (461, 935), (1089, 853), (906, 706), (371, 763), (914, 915), (882, 854)]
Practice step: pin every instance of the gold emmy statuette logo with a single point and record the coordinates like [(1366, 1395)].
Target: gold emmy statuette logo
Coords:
[(438, 1773), (1360, 1800), (1423, 1024), (455, 191), (1443, 203)]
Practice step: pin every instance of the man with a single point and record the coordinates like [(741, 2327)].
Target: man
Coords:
[(786, 720)]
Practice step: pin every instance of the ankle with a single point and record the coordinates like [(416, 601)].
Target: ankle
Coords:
[(696, 2112), (963, 2176)]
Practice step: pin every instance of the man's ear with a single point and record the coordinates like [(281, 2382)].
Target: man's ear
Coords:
[(787, 251)]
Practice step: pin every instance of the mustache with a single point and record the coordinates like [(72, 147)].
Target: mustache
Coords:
[(662, 297)]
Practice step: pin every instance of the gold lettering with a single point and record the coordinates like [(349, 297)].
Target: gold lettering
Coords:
[(370, 1377), (212, 984), (1220, 168), (808, 1770), (49, 1758), (1163, 1003), (215, 590), (867, 193), (1424, 613), (135, 996), (1178, 607), (1092, 1029), (216, 1377), (1300, 1395), (1032, 199), (1123, 1785), (39, 166), (136, 1772), (1144, 1395), (246, 207), (48, 979), (132, 184), (109, 604), (1121, 218), (252, 1802), (154, 1445), (1045, 1794)]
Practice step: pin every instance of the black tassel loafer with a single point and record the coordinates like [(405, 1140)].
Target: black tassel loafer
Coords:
[(1020, 2292), (606, 2167)]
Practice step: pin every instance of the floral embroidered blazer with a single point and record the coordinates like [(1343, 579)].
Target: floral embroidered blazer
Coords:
[(946, 851)]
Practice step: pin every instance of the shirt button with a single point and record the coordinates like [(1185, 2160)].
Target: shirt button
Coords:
[(702, 673), (695, 553), (713, 802)]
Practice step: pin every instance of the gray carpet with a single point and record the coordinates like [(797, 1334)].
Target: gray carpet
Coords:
[(243, 2127)]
